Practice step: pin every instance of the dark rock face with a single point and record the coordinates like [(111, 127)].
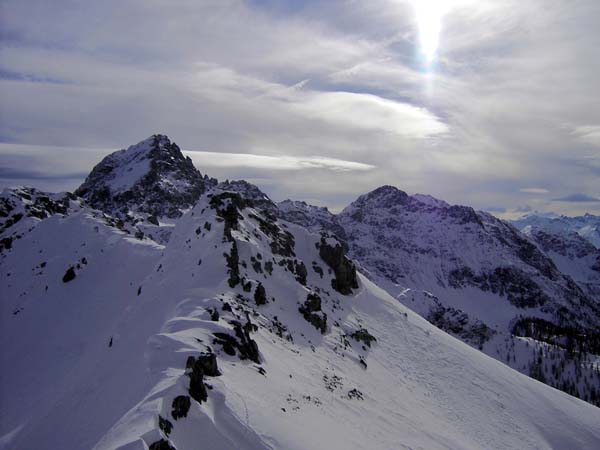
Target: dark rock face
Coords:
[(363, 336), (242, 342), (69, 275), (5, 244), (252, 195), (228, 206), (511, 282), (205, 363), (247, 347), (570, 338), (165, 426), (233, 268), (161, 445), (464, 214), (571, 245), (458, 323), (227, 342), (152, 177), (527, 251), (260, 295), (301, 272), (281, 241), (312, 313), (197, 368), (34, 203), (197, 388), (345, 272), (298, 268), (180, 407), (355, 394), (6, 206)]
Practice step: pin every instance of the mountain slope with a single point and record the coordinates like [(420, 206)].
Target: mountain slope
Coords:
[(587, 226), (573, 255), (66, 282), (480, 279), (573, 243), (271, 367)]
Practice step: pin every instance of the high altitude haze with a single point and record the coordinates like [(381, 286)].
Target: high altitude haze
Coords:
[(488, 103)]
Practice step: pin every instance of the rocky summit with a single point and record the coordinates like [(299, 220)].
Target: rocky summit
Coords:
[(152, 177)]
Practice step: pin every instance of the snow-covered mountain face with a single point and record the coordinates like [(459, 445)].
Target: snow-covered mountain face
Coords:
[(243, 324), (152, 177), (573, 243), (573, 255), (244, 331), (587, 226), (481, 280)]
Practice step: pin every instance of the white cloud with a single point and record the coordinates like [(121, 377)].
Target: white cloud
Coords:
[(534, 190), (589, 134), (372, 112), (281, 162)]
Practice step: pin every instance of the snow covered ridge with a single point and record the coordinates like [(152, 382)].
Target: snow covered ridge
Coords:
[(479, 279), (243, 332), (151, 177), (230, 327)]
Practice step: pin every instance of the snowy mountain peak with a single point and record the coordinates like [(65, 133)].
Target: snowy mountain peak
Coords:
[(392, 203), (151, 177), (384, 196), (587, 226), (430, 201), (289, 205)]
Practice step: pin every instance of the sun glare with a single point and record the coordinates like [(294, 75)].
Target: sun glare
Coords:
[(429, 14)]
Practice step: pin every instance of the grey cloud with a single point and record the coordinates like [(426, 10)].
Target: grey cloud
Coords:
[(7, 173), (534, 190), (577, 198), (588, 133), (524, 209), (282, 162), (495, 209)]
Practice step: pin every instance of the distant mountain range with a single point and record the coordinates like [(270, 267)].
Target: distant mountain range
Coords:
[(156, 308), (586, 226)]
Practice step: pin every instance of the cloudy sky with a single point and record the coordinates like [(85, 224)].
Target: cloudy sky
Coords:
[(491, 103)]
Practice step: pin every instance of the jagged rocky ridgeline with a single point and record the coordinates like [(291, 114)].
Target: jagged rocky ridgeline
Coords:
[(243, 323), (152, 177)]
